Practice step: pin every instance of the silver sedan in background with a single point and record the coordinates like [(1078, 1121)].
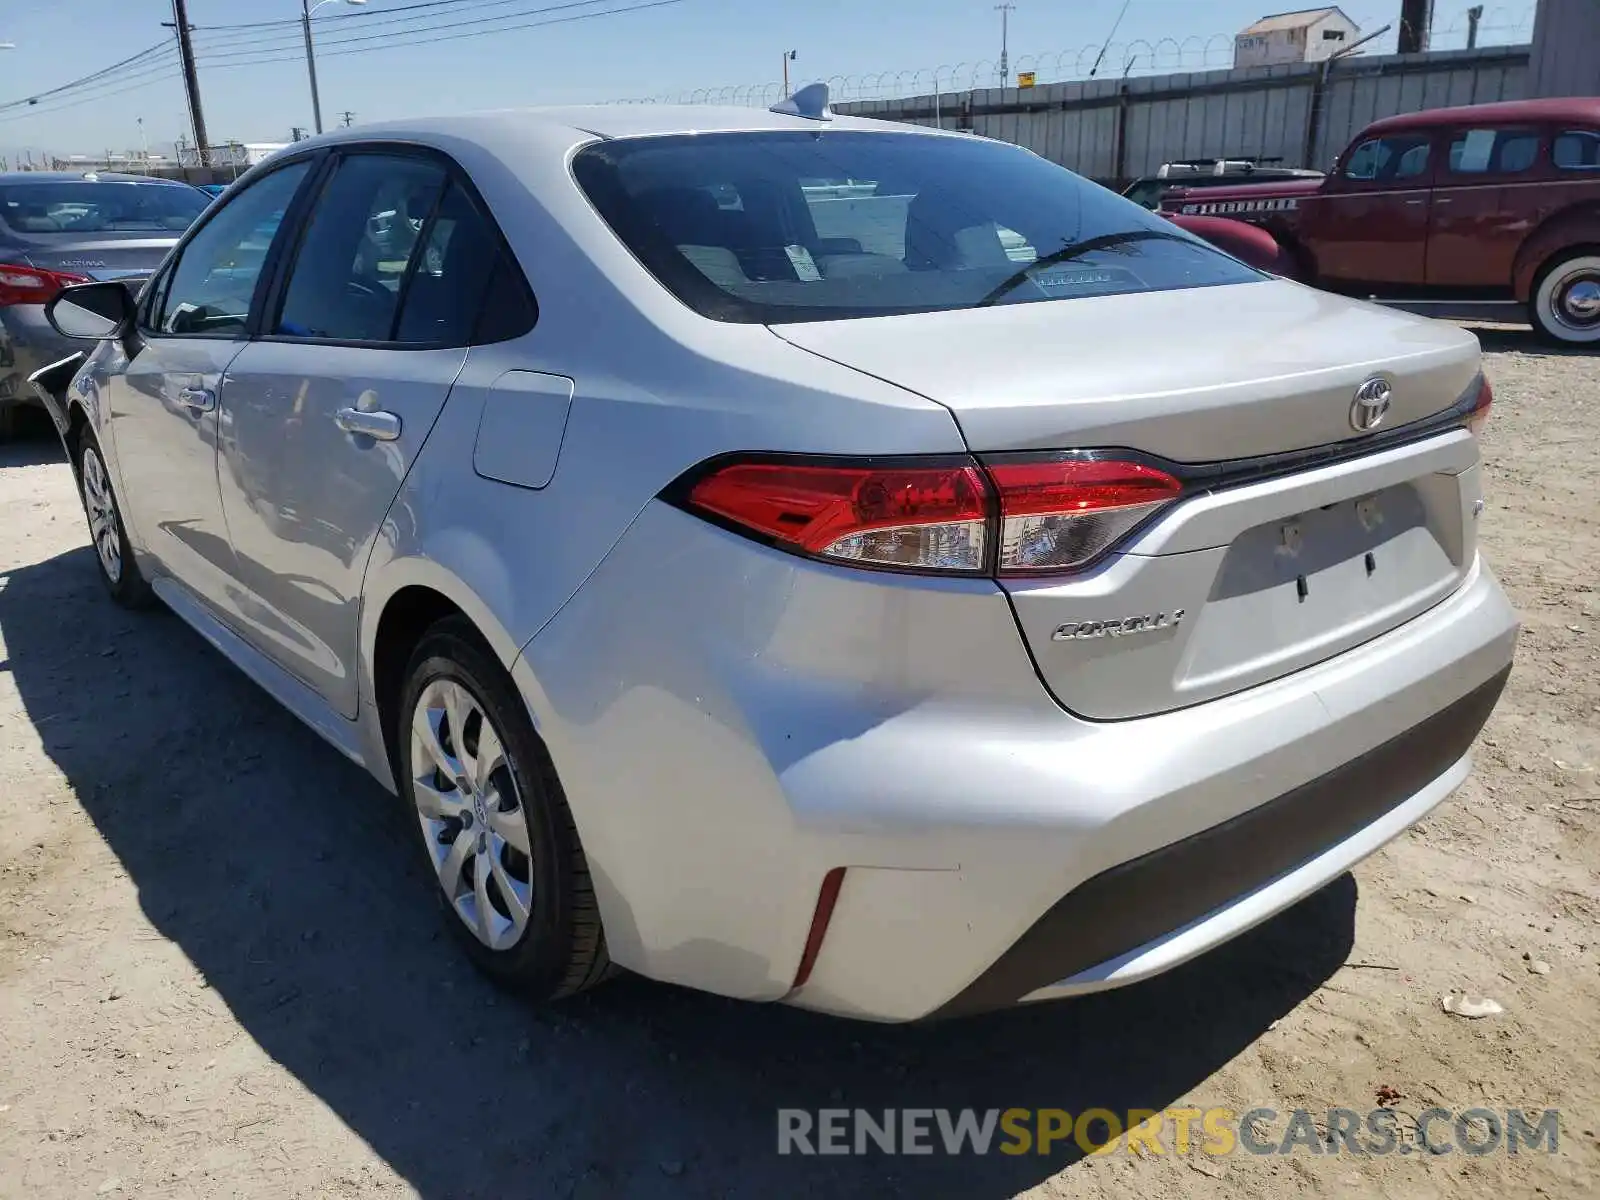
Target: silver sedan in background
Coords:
[(58, 229), (807, 559)]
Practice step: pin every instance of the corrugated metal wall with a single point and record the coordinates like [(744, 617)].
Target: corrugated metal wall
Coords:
[(1566, 49), (1263, 111)]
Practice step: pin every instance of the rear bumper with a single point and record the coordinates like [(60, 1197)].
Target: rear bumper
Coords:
[(730, 724), (1143, 916)]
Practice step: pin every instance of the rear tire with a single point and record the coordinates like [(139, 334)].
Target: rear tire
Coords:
[(1565, 306), (113, 552), (493, 821)]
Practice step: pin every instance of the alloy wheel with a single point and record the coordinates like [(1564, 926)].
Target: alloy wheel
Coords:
[(101, 507), (471, 812)]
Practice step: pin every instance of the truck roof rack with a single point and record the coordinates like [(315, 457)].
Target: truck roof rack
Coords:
[(1219, 166)]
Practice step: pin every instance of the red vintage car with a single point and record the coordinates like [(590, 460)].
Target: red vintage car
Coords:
[(1488, 211)]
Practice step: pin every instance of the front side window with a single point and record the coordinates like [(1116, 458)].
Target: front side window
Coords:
[(781, 226), (94, 206), (1387, 159), (1576, 150), (1493, 151), (357, 249), (208, 293)]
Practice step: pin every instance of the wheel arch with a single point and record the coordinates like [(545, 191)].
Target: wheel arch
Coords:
[(399, 604), (1576, 228)]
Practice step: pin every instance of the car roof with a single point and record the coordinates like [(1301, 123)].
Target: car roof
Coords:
[(502, 128), (10, 178), (1579, 110)]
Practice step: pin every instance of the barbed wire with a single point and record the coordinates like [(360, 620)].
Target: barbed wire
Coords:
[(1139, 57)]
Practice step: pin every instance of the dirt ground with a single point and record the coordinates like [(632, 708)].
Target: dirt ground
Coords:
[(220, 974)]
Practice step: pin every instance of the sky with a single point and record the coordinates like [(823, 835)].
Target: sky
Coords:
[(399, 58)]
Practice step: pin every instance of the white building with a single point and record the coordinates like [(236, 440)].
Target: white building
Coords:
[(1309, 35)]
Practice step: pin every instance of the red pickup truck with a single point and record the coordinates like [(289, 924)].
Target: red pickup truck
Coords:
[(1489, 211)]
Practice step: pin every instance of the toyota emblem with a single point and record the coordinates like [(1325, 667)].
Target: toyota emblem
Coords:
[(1371, 404)]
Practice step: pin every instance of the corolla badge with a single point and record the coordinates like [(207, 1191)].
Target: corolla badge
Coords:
[(1078, 631), (1371, 404)]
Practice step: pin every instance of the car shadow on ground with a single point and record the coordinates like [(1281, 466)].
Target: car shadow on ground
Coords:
[(34, 442), (288, 878)]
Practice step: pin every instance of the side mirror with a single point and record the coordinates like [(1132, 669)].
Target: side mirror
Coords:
[(91, 312)]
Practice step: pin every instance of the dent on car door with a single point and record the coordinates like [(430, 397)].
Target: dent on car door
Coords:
[(163, 401), (329, 408)]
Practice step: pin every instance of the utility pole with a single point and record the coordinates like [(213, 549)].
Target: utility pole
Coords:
[(789, 56), (1474, 15), (191, 80), (349, 118), (311, 64), (1005, 11), (1416, 19)]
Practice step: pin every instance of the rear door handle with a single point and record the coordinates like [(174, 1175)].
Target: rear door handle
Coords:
[(374, 423), (1419, 202), (198, 400)]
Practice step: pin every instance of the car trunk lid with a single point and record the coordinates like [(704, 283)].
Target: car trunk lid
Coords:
[(1290, 543), (131, 259)]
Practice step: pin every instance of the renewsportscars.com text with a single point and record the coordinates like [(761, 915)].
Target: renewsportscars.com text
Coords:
[(1211, 1131)]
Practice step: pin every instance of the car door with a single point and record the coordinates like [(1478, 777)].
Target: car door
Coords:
[(162, 407), (1369, 222), (328, 408), (1478, 218)]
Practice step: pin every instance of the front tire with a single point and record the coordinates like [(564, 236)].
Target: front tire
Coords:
[(113, 552), (1565, 307), (494, 823)]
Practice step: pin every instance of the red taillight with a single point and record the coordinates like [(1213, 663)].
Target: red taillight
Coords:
[(1052, 514), (1478, 417), (32, 285), (1058, 515), (898, 516), (827, 898)]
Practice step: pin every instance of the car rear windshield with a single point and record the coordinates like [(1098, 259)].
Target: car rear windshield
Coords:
[(87, 206), (801, 226)]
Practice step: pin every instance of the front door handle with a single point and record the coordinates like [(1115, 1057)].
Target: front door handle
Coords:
[(198, 400), (373, 423)]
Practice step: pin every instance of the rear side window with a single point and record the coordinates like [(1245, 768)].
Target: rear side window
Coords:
[(811, 226), (90, 206), (1396, 158), (457, 273), (1576, 150), (1493, 151), (358, 247)]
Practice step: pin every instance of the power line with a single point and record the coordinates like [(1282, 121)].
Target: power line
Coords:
[(171, 76), (218, 35), (160, 47), (361, 16), (332, 40), (430, 40)]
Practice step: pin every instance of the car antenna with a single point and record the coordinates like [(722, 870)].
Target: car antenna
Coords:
[(810, 102)]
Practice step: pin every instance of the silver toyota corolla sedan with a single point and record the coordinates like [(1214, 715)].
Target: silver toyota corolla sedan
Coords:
[(806, 559)]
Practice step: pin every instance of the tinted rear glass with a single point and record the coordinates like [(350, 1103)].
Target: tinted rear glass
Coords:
[(85, 206), (819, 226)]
